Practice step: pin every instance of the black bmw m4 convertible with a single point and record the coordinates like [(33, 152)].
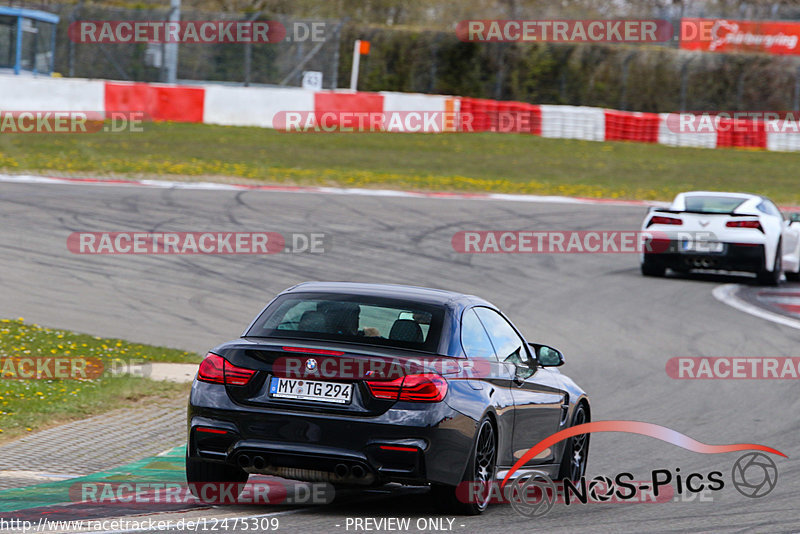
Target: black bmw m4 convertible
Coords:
[(364, 384)]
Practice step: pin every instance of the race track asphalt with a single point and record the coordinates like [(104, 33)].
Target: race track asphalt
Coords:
[(616, 328)]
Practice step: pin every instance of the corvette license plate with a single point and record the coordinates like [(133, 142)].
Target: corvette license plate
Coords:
[(702, 246), (311, 390)]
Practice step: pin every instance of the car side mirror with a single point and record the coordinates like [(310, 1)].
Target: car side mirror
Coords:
[(547, 356)]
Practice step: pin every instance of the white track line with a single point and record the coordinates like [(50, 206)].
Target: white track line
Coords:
[(37, 475), (212, 186), (727, 294)]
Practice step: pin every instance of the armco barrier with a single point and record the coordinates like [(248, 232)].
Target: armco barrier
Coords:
[(420, 103), (467, 117), (241, 106), (784, 141), (177, 103), (22, 93), (335, 103), (741, 133), (251, 106), (475, 114), (668, 134), (631, 126), (573, 122), (519, 117), (482, 115)]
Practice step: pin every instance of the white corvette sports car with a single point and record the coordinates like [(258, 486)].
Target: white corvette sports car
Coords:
[(728, 231)]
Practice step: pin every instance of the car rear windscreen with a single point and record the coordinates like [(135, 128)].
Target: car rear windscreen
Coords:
[(353, 319), (712, 204)]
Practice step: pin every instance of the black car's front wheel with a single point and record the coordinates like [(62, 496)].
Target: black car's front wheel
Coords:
[(206, 478), (474, 494), (576, 452)]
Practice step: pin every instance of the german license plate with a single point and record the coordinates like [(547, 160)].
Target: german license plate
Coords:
[(311, 390), (708, 247)]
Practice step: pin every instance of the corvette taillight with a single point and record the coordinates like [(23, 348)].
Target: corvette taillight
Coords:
[(658, 219), (427, 387), (217, 370), (745, 224)]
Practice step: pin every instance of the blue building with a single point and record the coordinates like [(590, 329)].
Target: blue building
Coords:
[(27, 40)]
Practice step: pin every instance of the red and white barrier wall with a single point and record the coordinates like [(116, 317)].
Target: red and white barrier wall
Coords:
[(259, 106), (19, 93), (251, 106), (158, 101)]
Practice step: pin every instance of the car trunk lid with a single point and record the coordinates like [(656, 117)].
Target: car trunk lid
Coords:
[(314, 377)]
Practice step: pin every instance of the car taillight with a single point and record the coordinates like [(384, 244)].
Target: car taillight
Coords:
[(212, 369), (658, 219), (745, 224), (423, 388), (217, 370), (385, 389), (426, 387), (237, 376)]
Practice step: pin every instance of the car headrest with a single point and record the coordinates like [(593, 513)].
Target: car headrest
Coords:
[(312, 321), (340, 317), (406, 330)]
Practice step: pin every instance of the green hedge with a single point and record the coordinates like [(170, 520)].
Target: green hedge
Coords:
[(577, 74)]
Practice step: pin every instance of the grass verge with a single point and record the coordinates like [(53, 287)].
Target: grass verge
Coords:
[(27, 405), (507, 163)]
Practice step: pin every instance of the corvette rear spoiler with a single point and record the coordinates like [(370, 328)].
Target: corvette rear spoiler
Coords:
[(727, 214)]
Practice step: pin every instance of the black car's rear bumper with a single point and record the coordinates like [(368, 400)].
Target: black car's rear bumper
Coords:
[(409, 443), (734, 257)]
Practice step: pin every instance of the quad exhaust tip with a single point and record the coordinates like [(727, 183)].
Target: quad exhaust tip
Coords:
[(244, 461), (259, 462), (341, 470), (358, 471), (703, 263)]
